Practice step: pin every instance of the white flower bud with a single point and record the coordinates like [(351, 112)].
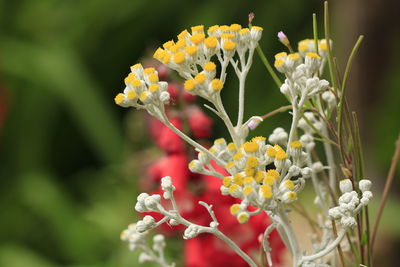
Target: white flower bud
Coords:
[(294, 170), (306, 172), (254, 122), (348, 222), (285, 89), (364, 201), (335, 213), (345, 186), (317, 167), (164, 97), (142, 197), (140, 207), (166, 184), (364, 185), (367, 194), (152, 202)]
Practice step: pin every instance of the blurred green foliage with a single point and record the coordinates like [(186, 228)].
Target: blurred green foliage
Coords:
[(65, 190)]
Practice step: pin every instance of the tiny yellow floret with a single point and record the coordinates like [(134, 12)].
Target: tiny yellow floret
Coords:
[(216, 84), (159, 54), (200, 78), (243, 217), (179, 58), (227, 36), (237, 156), (259, 176), (136, 66), (213, 29), (235, 27), (168, 45), (271, 152), (131, 95), (230, 165), (244, 31), (312, 55), (219, 141), (235, 209), (189, 84), (279, 63), (211, 42), (248, 180), (119, 98), (153, 87), (153, 78), (249, 171), (250, 147), (233, 188), (268, 180), (144, 95), (238, 179), (136, 83), (291, 196), (266, 191), (197, 38), (149, 70), (323, 47), (166, 58), (295, 144), (131, 76), (198, 29), (273, 174), (294, 56), (231, 147), (191, 50), (280, 55), (210, 66), (227, 181), (257, 28), (303, 47), (288, 184), (224, 28), (247, 190), (252, 162), (281, 155), (229, 45), (183, 34)]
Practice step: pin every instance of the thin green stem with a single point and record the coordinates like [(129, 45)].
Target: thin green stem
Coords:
[(269, 67), (385, 194), (342, 95), (328, 45), (315, 31)]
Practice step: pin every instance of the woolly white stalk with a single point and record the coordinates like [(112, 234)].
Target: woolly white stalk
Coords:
[(326, 250)]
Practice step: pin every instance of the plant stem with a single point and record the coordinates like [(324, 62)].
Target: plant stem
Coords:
[(268, 66), (276, 111), (328, 45), (385, 194)]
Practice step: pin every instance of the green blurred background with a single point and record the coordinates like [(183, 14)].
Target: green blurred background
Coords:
[(70, 159)]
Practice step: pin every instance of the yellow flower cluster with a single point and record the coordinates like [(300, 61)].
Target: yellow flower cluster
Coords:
[(251, 180), (307, 53), (194, 51), (142, 87)]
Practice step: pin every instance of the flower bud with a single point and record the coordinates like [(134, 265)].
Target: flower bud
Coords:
[(364, 185), (345, 186)]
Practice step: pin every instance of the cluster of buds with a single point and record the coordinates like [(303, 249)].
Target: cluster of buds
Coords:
[(195, 50), (143, 90), (133, 237), (260, 174), (351, 202), (137, 240)]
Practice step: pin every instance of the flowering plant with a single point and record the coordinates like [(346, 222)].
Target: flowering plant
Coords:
[(264, 175)]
